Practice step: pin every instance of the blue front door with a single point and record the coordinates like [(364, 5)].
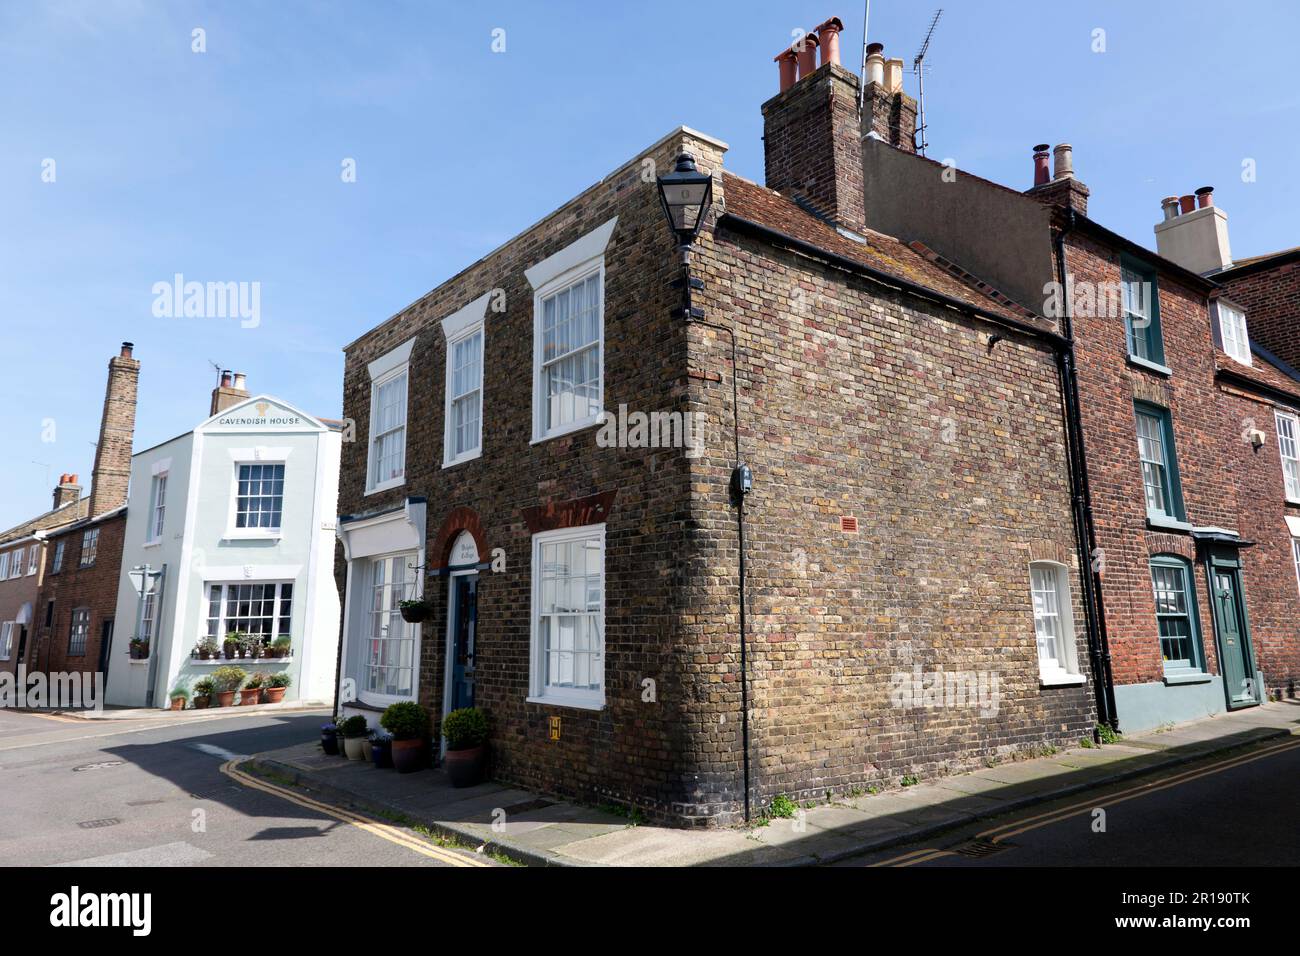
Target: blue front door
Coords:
[(464, 620)]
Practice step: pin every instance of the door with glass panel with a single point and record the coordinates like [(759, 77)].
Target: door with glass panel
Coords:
[(1233, 631)]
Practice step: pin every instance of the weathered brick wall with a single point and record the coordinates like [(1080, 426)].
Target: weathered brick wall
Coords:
[(628, 752), (94, 587), (112, 474), (856, 401), (1271, 299)]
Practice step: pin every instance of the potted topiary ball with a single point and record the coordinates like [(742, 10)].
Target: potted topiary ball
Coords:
[(466, 731), (408, 722), (226, 680), (356, 737), (276, 685)]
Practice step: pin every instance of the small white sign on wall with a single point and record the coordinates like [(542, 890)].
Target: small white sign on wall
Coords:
[(464, 551)]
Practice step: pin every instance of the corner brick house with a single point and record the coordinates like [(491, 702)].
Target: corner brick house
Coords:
[(1194, 565), (78, 596), (912, 595)]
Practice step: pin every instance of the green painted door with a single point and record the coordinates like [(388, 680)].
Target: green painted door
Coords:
[(1230, 617)]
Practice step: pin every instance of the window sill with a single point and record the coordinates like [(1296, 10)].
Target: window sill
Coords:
[(139, 662), (1168, 524), (1150, 366), (1188, 677), (245, 534), (238, 661), (386, 485), (1061, 679), (463, 459), (590, 704), (156, 543)]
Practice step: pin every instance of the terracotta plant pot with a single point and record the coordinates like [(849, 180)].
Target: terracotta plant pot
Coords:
[(225, 698), (357, 748), (465, 768), (204, 656), (249, 696), (201, 703), (275, 694), (408, 755), (230, 650), (178, 703)]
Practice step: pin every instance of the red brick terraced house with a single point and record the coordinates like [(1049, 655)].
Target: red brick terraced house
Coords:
[(912, 599), (23, 565), (78, 596), (1193, 565)]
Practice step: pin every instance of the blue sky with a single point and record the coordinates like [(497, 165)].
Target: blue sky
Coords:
[(225, 165)]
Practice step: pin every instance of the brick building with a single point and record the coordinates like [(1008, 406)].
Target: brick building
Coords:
[(78, 596), (1197, 600), (912, 598)]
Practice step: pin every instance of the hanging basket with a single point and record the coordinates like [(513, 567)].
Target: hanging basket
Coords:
[(415, 612)]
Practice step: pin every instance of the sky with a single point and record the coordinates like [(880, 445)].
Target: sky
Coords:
[(128, 157)]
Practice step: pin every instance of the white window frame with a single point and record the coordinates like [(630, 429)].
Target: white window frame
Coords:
[(1288, 446), (89, 545), (413, 633), (1295, 553), (574, 263), (459, 328), (4, 566), (1065, 670), (33, 559), (539, 693), (16, 568), (80, 617), (249, 532), (223, 618), (383, 370), (157, 508), (7, 639), (57, 564), (1233, 332)]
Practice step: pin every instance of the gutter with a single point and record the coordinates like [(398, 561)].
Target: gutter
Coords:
[(1081, 497), (1246, 382), (778, 238)]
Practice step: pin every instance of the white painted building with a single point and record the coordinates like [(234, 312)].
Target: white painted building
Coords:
[(236, 523)]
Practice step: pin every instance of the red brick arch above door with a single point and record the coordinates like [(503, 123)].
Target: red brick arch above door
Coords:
[(460, 519)]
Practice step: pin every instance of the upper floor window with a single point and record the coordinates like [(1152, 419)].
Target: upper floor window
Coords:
[(1155, 435), (16, 569), (1232, 332), (4, 565), (89, 545), (568, 611), (1288, 443), (158, 508), (33, 558), (386, 464), (259, 502), (1142, 314), (57, 564), (462, 438), (1053, 623), (1180, 639), (569, 335)]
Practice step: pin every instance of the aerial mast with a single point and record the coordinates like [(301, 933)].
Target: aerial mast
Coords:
[(918, 67)]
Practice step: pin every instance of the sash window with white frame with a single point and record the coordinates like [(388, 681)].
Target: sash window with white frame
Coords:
[(386, 449), (16, 569), (158, 511), (33, 558), (7, 639), (568, 627), (1232, 332), (1288, 443), (464, 438), (388, 655), (4, 565), (148, 611), (1054, 623), (259, 502), (1142, 315)]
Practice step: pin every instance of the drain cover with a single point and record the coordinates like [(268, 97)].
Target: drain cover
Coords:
[(981, 848), (99, 824), (97, 766)]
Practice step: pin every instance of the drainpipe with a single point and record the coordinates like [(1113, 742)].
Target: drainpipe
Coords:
[(741, 480), (1081, 496)]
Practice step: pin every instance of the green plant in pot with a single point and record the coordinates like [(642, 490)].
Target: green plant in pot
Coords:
[(180, 696), (230, 646), (203, 688), (356, 737), (281, 646), (275, 687), (414, 611), (252, 692), (139, 648), (466, 731), (408, 722), (250, 645), (225, 681)]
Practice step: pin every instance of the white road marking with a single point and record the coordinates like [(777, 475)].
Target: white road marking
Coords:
[(166, 854), (215, 751)]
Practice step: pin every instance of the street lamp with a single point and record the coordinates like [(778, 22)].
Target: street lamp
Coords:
[(685, 194)]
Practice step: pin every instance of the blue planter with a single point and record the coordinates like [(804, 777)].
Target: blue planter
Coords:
[(329, 739), (381, 753)]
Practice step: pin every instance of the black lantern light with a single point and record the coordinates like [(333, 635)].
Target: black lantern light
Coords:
[(685, 194)]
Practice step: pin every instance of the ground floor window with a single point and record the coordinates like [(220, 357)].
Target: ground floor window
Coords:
[(388, 662), (7, 639), (147, 614), (80, 630), (1053, 620), (1295, 548), (568, 617), (1180, 639), (264, 609)]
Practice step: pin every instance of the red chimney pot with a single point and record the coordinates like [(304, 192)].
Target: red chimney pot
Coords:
[(1205, 197), (828, 38), (1042, 175), (787, 61), (805, 50)]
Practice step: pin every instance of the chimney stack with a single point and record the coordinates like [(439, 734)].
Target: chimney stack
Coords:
[(1062, 189), (888, 113), (1194, 232), (230, 392), (112, 474), (67, 492)]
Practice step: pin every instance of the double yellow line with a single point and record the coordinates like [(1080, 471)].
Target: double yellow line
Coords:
[(1025, 824), (382, 830)]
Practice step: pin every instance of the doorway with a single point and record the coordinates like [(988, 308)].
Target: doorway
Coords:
[(462, 624), (1232, 629)]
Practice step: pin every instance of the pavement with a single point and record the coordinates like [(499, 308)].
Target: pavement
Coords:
[(156, 713), (167, 792), (535, 829)]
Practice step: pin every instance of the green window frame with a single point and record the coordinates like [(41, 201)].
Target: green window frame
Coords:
[(1159, 462), (1173, 582), (1141, 297)]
